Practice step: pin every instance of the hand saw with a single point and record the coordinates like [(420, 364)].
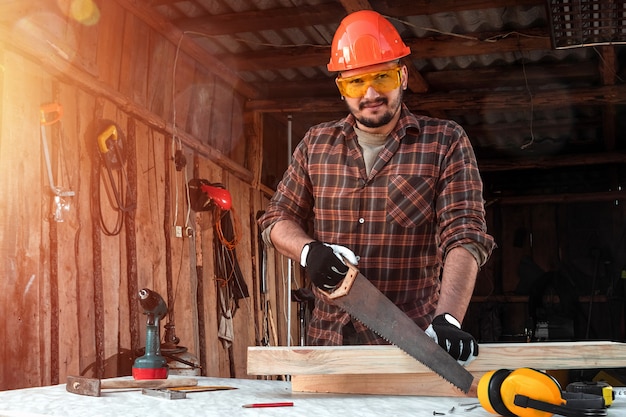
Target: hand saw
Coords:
[(363, 301)]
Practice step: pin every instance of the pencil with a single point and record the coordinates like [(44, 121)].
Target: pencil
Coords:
[(262, 405)]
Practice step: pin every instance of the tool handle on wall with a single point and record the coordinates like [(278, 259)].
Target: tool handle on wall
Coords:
[(108, 133), (50, 113)]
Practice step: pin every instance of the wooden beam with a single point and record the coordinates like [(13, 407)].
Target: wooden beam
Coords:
[(326, 13), (387, 359), (442, 46), (259, 20), (430, 385), (482, 43), (477, 101), (428, 7), (521, 200), (450, 80), (608, 65), (551, 161), (608, 71), (355, 5), (582, 73)]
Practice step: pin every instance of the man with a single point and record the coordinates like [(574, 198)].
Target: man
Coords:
[(397, 193)]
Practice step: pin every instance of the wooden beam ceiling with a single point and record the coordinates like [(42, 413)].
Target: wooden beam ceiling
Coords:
[(326, 13), (355, 5), (429, 7), (455, 80), (259, 20), (440, 46), (480, 101)]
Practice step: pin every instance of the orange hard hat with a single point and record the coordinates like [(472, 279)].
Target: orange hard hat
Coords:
[(365, 38)]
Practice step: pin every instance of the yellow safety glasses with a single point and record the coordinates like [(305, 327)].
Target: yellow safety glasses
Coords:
[(382, 81)]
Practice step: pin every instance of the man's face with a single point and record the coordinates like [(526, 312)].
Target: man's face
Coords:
[(374, 94)]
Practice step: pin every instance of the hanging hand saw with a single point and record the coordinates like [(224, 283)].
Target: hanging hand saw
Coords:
[(363, 301)]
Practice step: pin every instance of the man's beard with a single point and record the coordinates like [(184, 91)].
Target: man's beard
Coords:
[(380, 120)]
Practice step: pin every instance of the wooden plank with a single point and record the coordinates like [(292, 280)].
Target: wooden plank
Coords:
[(84, 288), (244, 319), (23, 193), (220, 134), (337, 360), (113, 255), (203, 97), (215, 361), (191, 47), (134, 60), (183, 90), (159, 75), (68, 233), (110, 37), (380, 384)]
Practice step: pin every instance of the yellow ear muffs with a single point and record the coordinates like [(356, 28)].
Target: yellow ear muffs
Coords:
[(489, 392), (531, 384), (527, 392)]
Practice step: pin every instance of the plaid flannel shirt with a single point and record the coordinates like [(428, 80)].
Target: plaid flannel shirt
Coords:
[(422, 197)]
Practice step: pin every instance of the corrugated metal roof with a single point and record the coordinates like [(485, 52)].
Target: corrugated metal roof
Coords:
[(524, 71)]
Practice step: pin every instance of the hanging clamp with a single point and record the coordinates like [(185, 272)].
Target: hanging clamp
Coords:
[(111, 147), (50, 114)]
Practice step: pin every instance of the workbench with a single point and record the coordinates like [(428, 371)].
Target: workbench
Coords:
[(56, 401)]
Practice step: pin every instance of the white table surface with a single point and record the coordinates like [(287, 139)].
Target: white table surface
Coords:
[(56, 401)]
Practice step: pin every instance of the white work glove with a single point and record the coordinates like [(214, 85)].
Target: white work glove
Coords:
[(446, 331), (325, 264)]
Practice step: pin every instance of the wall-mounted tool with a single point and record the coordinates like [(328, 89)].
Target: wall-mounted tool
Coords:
[(204, 195), (152, 365), (113, 157), (93, 387), (50, 114)]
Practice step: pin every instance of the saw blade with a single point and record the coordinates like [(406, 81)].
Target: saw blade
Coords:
[(363, 301)]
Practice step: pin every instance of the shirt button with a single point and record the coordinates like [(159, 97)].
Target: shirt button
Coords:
[(361, 220)]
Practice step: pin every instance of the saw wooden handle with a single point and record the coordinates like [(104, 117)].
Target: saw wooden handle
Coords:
[(148, 383), (344, 286)]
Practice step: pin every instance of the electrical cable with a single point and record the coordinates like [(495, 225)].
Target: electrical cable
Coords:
[(612, 69), (218, 213), (532, 105), (119, 222)]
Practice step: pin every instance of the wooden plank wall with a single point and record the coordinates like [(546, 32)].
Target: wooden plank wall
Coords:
[(68, 290)]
